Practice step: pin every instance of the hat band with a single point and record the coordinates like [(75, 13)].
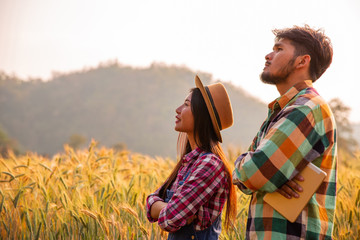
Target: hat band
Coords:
[(213, 106)]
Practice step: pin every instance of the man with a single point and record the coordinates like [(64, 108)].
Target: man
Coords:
[(300, 129)]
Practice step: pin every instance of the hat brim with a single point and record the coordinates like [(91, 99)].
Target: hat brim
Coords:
[(209, 106)]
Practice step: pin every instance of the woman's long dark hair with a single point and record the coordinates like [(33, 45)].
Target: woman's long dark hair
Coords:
[(206, 139)]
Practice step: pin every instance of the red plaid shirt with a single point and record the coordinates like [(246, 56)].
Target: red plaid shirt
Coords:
[(203, 194)]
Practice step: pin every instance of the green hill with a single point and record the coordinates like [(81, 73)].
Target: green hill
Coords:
[(113, 104)]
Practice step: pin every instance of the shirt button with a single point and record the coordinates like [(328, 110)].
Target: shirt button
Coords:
[(192, 237)]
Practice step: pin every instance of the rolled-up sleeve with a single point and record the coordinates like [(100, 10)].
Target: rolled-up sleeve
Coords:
[(150, 200)]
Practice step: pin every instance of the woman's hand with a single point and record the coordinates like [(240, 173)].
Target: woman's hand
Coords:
[(190, 220), (289, 189), (156, 208)]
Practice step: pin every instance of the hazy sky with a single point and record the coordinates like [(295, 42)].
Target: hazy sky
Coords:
[(228, 39)]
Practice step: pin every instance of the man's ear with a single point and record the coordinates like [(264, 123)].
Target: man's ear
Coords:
[(303, 61)]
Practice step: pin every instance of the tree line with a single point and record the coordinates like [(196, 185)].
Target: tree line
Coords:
[(119, 106)]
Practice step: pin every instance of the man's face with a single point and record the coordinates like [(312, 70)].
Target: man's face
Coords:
[(279, 63)]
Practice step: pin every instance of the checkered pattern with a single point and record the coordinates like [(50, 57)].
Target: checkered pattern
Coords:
[(300, 128), (204, 193)]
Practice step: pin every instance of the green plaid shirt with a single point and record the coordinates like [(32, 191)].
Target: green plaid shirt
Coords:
[(300, 128)]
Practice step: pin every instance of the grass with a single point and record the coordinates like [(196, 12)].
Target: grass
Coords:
[(100, 194)]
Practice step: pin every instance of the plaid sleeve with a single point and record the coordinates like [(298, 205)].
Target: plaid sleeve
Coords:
[(150, 200), (236, 181), (206, 177), (287, 147)]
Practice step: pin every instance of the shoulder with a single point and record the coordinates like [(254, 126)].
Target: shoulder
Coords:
[(309, 103), (310, 98), (209, 168), (209, 161)]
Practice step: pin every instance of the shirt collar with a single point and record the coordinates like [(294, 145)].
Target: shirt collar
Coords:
[(192, 155), (281, 101)]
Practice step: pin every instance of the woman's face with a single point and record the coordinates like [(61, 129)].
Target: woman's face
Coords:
[(185, 118)]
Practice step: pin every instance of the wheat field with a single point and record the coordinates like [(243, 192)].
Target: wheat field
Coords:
[(97, 193)]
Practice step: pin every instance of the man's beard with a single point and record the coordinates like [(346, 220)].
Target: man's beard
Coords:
[(281, 76)]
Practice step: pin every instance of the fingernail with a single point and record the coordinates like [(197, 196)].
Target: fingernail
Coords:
[(300, 189), (296, 195)]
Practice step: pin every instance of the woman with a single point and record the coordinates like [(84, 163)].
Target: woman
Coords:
[(190, 202)]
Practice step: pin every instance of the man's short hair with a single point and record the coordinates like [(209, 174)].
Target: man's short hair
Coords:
[(312, 42)]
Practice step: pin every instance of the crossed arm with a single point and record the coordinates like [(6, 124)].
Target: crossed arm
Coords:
[(156, 208), (205, 181), (273, 162)]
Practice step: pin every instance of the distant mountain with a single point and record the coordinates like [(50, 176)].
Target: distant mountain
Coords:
[(113, 104)]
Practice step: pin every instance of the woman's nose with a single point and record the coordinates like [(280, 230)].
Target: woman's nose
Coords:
[(178, 110)]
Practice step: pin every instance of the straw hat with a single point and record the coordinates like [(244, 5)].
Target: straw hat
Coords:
[(218, 105)]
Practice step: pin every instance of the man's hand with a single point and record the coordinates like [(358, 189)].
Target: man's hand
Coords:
[(289, 189)]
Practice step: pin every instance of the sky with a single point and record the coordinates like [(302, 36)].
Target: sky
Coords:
[(228, 39)]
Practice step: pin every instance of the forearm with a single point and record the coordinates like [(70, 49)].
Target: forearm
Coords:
[(275, 159), (236, 178), (151, 200), (156, 208)]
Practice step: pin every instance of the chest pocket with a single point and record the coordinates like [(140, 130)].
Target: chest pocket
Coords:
[(170, 193)]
